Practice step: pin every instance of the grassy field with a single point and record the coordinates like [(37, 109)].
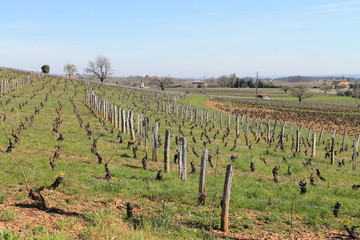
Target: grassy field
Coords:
[(274, 94), (86, 206)]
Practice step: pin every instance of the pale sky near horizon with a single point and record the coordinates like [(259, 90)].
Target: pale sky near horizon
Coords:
[(187, 38)]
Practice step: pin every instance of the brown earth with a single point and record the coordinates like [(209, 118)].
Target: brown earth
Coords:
[(308, 119)]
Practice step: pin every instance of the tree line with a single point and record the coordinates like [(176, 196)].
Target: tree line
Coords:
[(232, 81)]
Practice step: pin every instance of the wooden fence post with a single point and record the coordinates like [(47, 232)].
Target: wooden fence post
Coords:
[(268, 136), (274, 131), (202, 183), (333, 134), (123, 125), (116, 117), (131, 126), (127, 123), (115, 123), (221, 121), (229, 122), (332, 150), (139, 127), (155, 142), (282, 135), (355, 149), (320, 136), (313, 149), (226, 199), (113, 109), (237, 132), (182, 158), (297, 144), (257, 126), (167, 151), (146, 134)]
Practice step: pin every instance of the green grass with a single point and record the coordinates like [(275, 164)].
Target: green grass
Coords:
[(6, 234), (7, 215), (274, 93), (195, 100)]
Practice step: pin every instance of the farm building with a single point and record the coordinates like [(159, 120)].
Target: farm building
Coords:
[(198, 84), (340, 83), (263, 96), (142, 84)]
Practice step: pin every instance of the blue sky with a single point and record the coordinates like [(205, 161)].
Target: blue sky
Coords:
[(184, 38)]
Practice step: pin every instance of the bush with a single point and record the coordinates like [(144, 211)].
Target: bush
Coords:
[(348, 93), (340, 93), (45, 68)]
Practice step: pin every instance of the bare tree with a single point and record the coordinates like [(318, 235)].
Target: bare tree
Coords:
[(70, 69), (232, 80), (300, 92), (162, 82), (101, 68), (222, 81), (325, 88), (285, 88)]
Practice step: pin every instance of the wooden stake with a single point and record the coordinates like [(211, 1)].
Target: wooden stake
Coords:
[(237, 125), (131, 126), (226, 199), (320, 136), (202, 183), (355, 149), (155, 143), (297, 144), (139, 127), (182, 158), (313, 149), (167, 151), (332, 150), (146, 133)]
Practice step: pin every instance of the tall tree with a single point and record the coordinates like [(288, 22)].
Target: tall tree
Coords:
[(101, 67), (162, 82), (45, 68), (300, 92), (232, 80), (70, 69), (222, 81)]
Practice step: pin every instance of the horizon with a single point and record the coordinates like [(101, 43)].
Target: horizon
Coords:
[(356, 76), (185, 39)]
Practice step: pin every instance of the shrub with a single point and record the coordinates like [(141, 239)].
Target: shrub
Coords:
[(45, 68), (348, 93), (340, 93)]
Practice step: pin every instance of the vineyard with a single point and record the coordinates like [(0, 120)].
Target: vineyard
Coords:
[(90, 161), (319, 116)]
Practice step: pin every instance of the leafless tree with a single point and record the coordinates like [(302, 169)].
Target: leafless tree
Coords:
[(70, 69), (101, 67), (300, 92), (222, 81), (285, 88), (162, 82), (325, 88), (232, 79)]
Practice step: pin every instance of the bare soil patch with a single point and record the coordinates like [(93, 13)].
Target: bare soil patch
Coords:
[(308, 119)]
